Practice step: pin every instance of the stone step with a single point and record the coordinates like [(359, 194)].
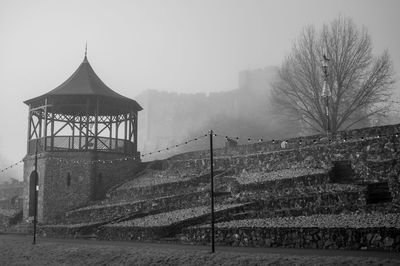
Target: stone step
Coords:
[(281, 180), (149, 189), (165, 225), (344, 200), (110, 211)]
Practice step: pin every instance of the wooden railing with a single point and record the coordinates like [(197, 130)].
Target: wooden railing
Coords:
[(76, 143)]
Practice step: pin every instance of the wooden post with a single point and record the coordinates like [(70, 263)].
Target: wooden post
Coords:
[(126, 131), (87, 123), (135, 129), (130, 127), (52, 130), (110, 129), (116, 132), (40, 112), (80, 132), (96, 126), (45, 125), (73, 132), (29, 128)]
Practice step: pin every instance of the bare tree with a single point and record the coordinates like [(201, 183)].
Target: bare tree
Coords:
[(359, 83)]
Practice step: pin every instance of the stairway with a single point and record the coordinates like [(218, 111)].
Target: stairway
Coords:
[(378, 193)]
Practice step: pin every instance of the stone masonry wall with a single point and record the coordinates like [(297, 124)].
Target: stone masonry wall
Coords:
[(320, 238), (114, 211), (314, 156), (115, 232), (199, 183), (293, 143), (56, 196)]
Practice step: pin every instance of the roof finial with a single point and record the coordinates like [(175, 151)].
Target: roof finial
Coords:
[(86, 49)]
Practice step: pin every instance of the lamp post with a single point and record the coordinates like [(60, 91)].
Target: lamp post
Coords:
[(212, 193), (326, 92), (36, 193)]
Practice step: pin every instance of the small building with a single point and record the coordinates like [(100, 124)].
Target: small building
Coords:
[(85, 138)]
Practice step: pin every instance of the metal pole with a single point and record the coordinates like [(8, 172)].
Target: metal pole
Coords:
[(212, 193), (36, 195)]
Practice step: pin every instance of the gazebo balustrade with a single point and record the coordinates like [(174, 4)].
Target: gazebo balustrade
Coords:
[(70, 143)]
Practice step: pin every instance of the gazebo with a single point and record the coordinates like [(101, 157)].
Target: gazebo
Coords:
[(83, 114), (86, 137)]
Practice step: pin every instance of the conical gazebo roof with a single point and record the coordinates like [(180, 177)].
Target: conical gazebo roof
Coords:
[(85, 82)]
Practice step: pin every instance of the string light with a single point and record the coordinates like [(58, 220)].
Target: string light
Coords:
[(314, 141), (10, 166)]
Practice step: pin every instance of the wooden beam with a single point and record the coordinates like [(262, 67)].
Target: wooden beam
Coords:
[(40, 107), (110, 129), (80, 132), (130, 126), (45, 124), (29, 128), (87, 123), (126, 132), (52, 130), (34, 129), (96, 126), (40, 125), (73, 134), (135, 132), (116, 132)]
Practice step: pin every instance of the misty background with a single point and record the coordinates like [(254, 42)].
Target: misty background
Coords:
[(192, 65)]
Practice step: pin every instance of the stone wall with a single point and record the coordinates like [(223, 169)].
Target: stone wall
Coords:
[(66, 231), (312, 204), (115, 211), (314, 156), (295, 143), (377, 169), (316, 238), (199, 183), (67, 180), (394, 182), (279, 184), (115, 232)]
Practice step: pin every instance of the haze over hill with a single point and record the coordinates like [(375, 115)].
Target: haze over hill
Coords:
[(170, 118)]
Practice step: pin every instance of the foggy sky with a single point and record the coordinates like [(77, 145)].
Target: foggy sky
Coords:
[(181, 45)]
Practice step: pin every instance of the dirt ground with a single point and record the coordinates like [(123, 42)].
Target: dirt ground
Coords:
[(20, 251)]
